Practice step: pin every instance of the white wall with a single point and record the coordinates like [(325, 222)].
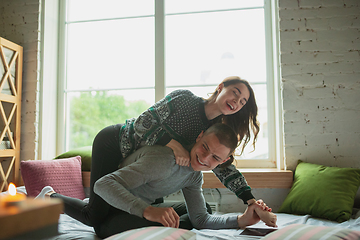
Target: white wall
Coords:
[(320, 74), (320, 63)]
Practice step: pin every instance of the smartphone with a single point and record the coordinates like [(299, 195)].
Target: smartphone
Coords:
[(257, 231)]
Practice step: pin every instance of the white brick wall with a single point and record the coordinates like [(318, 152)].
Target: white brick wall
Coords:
[(19, 22), (320, 63)]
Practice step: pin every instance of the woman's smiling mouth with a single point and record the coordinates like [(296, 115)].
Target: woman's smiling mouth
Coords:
[(231, 106)]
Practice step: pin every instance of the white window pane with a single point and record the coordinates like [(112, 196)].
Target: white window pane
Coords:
[(201, 49), (202, 91), (89, 112), (183, 6), (111, 54), (80, 10), (205, 48)]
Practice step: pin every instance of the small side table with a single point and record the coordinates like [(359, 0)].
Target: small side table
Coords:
[(33, 218)]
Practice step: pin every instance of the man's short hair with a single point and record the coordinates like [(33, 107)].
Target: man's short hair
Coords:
[(225, 134)]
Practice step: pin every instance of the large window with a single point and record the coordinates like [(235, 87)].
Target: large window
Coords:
[(119, 57)]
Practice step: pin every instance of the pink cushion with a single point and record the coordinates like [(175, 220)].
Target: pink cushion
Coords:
[(63, 175)]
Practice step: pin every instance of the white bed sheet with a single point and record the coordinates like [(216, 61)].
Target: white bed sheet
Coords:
[(70, 228), (283, 221)]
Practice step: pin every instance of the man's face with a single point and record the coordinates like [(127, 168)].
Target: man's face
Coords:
[(208, 153)]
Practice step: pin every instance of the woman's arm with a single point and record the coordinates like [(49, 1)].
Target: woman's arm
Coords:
[(267, 217), (253, 214), (182, 156), (235, 182)]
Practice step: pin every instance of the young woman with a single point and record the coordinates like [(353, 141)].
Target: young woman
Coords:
[(174, 121)]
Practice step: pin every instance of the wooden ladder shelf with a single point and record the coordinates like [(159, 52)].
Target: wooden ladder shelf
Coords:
[(11, 59)]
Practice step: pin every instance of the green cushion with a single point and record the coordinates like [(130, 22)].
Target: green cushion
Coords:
[(84, 153), (323, 192)]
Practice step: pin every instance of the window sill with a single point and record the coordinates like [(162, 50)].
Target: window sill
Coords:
[(256, 178)]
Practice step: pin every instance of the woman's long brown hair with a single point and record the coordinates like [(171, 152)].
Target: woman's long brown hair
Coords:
[(243, 120)]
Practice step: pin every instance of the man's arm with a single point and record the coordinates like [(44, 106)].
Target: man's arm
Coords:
[(201, 219), (115, 188), (166, 216), (197, 211), (140, 168), (253, 214)]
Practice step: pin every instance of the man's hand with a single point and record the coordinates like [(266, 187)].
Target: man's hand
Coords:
[(264, 212), (182, 156), (249, 217), (166, 216)]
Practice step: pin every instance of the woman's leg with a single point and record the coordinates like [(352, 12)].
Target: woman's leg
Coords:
[(106, 157)]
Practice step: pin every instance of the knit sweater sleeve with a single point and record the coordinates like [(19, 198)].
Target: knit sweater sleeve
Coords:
[(234, 181), (116, 188), (177, 116), (147, 128), (149, 125)]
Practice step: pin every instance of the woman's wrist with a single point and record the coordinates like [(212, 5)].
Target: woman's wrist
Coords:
[(251, 201)]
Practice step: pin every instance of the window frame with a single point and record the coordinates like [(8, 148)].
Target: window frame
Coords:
[(276, 159)]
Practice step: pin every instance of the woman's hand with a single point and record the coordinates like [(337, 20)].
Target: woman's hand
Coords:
[(260, 203), (249, 217), (166, 216), (182, 156), (264, 212), (267, 217)]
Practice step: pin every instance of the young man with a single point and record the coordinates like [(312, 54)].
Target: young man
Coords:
[(151, 173)]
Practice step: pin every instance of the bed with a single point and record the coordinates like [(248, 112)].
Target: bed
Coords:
[(323, 203), (71, 229)]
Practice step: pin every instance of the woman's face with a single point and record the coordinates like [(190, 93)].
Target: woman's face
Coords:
[(232, 98)]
